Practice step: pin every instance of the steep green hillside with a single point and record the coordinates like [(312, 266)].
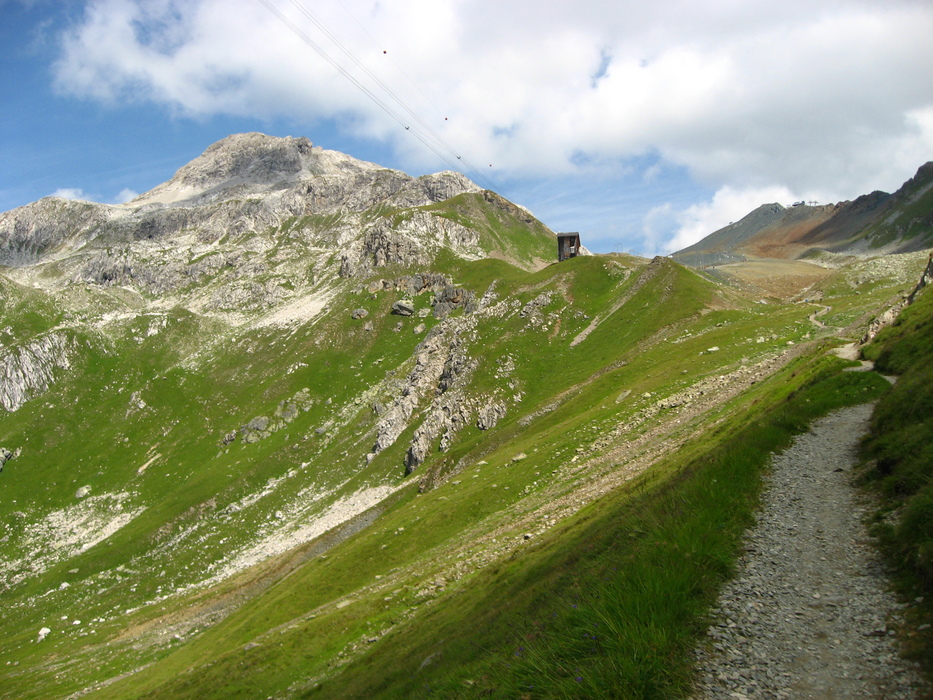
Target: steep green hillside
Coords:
[(900, 460), (341, 432), (909, 216), (240, 532), (506, 231)]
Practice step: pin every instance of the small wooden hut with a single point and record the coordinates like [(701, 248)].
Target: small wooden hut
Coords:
[(568, 245)]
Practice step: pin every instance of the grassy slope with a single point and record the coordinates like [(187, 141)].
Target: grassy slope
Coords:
[(912, 217), (607, 605), (901, 470), (187, 412), (655, 343), (505, 230), (475, 503), (306, 646), (611, 604)]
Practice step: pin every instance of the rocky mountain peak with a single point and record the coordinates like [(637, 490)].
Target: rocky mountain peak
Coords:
[(252, 193), (253, 162)]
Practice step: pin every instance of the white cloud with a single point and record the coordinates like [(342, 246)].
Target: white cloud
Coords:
[(655, 225), (125, 195), (71, 193), (76, 193), (727, 205), (833, 95)]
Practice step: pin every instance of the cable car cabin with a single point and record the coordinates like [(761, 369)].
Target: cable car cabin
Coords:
[(568, 245)]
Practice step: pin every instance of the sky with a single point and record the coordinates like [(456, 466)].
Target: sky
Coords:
[(643, 125)]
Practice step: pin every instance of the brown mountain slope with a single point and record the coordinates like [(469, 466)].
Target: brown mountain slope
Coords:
[(874, 223)]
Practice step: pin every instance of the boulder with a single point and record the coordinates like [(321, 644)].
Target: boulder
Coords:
[(490, 414), (450, 298), (538, 302), (5, 456), (403, 307), (359, 313)]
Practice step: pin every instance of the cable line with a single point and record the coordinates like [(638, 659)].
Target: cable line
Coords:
[(430, 133), (398, 100), (428, 137)]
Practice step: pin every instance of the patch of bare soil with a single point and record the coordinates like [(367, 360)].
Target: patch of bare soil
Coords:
[(783, 279)]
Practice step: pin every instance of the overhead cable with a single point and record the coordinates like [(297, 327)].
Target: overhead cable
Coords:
[(415, 125)]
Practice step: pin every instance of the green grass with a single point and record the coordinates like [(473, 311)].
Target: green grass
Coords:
[(609, 604), (504, 229), (908, 221), (900, 454), (200, 380)]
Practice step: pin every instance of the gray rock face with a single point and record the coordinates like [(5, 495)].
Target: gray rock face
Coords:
[(441, 365), (450, 410), (429, 364), (538, 302), (31, 369), (28, 232), (252, 162), (490, 414), (243, 197), (249, 164), (256, 429), (450, 298), (412, 241), (262, 427)]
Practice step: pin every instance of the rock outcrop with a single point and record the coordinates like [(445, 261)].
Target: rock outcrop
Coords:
[(233, 231), (450, 410), (31, 368), (5, 456)]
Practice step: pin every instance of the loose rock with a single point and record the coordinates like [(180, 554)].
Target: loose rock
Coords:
[(403, 307)]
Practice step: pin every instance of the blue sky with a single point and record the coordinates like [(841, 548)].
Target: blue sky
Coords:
[(642, 125)]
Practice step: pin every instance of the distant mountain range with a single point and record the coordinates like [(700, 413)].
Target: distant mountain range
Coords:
[(873, 224)]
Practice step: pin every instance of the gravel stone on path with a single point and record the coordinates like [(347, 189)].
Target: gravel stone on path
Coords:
[(809, 613)]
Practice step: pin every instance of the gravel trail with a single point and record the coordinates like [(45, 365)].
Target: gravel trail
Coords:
[(809, 614)]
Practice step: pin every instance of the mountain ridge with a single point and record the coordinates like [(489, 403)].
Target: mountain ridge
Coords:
[(873, 223)]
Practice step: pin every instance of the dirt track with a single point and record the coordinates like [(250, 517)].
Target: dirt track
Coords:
[(809, 614)]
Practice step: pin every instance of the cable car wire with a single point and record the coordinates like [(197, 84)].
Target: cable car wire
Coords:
[(428, 137), (427, 132)]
